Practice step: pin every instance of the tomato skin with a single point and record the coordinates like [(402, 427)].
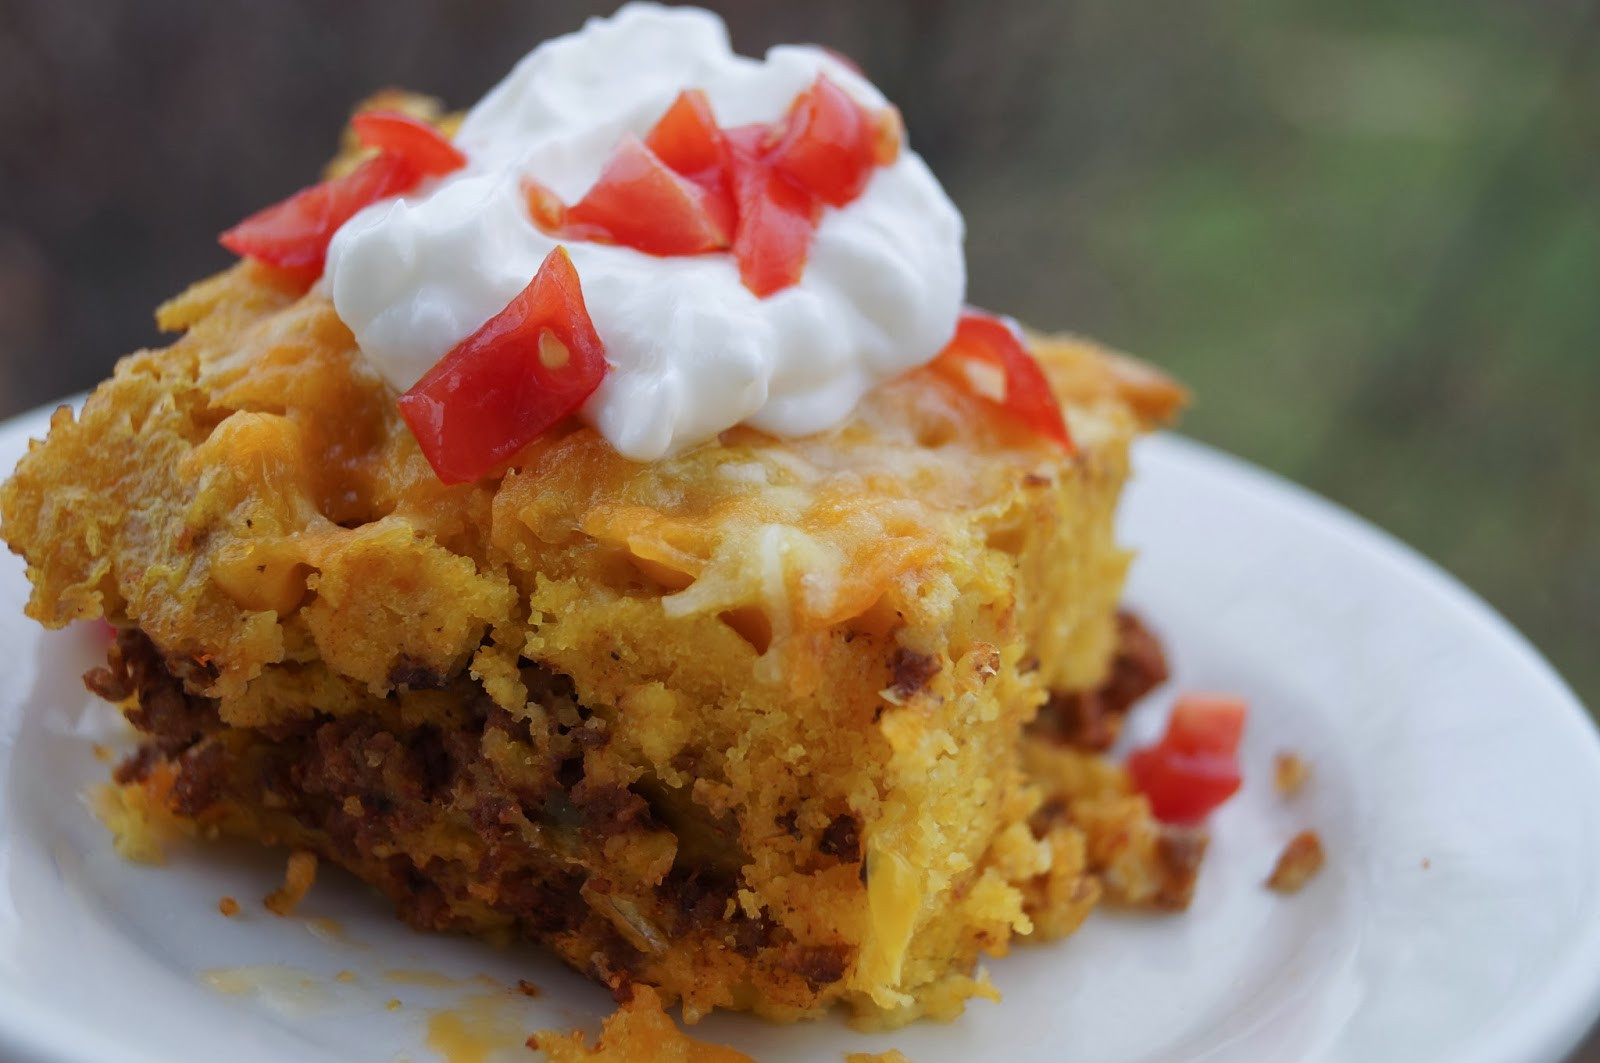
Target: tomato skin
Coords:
[(827, 144), (988, 340), (1195, 766), (686, 138), (691, 187), (294, 234), (640, 202), (776, 218), (497, 391), (414, 140), (1183, 787), (1206, 723)]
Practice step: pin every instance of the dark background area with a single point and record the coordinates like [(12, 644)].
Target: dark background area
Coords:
[(1366, 233)]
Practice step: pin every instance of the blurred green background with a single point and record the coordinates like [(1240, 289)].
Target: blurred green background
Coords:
[(1366, 233)]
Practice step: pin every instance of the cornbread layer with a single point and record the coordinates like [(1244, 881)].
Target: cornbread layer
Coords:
[(746, 724)]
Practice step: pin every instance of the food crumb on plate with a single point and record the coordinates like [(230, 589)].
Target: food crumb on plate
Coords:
[(1290, 773), (298, 876), (1300, 860), (228, 907)]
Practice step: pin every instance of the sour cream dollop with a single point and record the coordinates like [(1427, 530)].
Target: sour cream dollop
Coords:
[(692, 352)]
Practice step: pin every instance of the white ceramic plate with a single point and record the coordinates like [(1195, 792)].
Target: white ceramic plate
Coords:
[(1456, 787)]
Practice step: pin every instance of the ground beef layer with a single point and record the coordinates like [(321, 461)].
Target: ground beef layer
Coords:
[(474, 820)]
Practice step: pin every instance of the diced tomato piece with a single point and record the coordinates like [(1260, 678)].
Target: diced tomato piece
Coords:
[(414, 140), (747, 143), (984, 340), (1206, 723), (827, 144), (686, 138), (640, 202), (691, 187), (776, 218), (1183, 787), (1195, 766), (499, 389), (295, 234)]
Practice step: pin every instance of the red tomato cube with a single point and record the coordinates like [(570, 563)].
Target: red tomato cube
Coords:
[(499, 389)]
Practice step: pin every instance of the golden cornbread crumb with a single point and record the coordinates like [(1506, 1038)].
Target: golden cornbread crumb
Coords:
[(228, 907), (638, 1030), (141, 826), (1290, 773), (298, 876), (1300, 860)]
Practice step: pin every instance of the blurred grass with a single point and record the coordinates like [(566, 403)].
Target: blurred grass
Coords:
[(1370, 242)]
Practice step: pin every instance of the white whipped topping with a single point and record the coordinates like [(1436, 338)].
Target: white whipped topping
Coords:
[(692, 352)]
